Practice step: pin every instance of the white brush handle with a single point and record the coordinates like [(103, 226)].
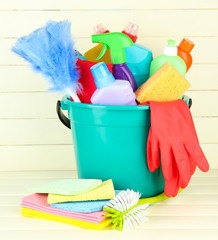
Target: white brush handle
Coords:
[(73, 94)]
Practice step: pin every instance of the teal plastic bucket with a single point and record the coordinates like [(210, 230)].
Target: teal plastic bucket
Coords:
[(110, 142)]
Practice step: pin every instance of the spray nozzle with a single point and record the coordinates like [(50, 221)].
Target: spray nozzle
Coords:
[(104, 49), (116, 42)]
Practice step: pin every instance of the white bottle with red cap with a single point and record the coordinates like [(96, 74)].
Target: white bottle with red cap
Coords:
[(138, 58)]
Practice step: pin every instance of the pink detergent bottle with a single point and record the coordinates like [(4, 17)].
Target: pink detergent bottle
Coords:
[(110, 91)]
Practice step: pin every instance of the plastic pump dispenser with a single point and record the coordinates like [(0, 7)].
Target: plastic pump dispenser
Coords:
[(93, 53), (138, 58), (171, 49), (117, 42), (169, 55), (110, 91)]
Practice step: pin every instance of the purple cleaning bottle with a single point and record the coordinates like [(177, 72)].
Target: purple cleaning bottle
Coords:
[(121, 71), (110, 91)]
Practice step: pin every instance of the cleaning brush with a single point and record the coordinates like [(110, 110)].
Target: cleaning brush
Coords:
[(50, 51), (126, 210)]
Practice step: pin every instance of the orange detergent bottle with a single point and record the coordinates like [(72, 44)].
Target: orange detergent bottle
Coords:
[(184, 49)]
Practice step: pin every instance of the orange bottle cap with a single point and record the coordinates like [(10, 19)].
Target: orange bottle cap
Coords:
[(186, 45)]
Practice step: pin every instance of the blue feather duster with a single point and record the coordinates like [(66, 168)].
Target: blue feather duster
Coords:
[(50, 50)]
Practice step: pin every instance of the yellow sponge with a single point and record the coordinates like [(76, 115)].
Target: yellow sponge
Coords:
[(167, 84)]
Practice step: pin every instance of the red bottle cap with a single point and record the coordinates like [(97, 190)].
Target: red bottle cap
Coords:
[(131, 31), (186, 45), (134, 38)]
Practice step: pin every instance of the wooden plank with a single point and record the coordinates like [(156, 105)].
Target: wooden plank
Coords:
[(34, 131), (15, 191), (203, 77), (183, 199), (203, 103), (158, 23), (23, 79), (181, 210), (198, 189), (11, 201), (32, 181), (210, 173), (9, 211), (37, 158), (211, 152), (43, 105), (29, 105), (40, 174), (155, 222), (83, 234), (25, 223), (97, 4), (205, 131), (191, 222), (212, 181), (155, 44)]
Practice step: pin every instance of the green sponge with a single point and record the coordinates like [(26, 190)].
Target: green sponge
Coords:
[(67, 186)]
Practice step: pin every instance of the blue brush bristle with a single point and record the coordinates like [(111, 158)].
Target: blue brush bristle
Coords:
[(50, 50)]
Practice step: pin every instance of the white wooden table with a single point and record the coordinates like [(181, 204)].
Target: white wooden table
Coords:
[(192, 215)]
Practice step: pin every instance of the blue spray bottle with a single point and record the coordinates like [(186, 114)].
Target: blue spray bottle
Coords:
[(117, 42), (138, 58)]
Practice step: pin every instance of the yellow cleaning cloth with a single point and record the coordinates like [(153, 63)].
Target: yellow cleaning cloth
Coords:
[(104, 191), (79, 223), (167, 84)]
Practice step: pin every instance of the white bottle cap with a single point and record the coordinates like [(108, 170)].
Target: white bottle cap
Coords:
[(131, 29), (171, 49), (100, 28)]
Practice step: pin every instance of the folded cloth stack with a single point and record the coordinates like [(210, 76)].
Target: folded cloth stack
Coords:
[(78, 202)]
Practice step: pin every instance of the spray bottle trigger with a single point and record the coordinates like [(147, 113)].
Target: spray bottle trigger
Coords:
[(105, 47)]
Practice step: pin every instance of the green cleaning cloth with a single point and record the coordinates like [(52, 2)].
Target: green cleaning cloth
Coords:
[(67, 186), (105, 191)]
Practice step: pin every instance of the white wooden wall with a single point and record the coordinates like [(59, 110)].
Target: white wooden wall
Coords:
[(31, 136)]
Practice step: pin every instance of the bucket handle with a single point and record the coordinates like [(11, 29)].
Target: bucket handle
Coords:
[(61, 116), (66, 121), (190, 102)]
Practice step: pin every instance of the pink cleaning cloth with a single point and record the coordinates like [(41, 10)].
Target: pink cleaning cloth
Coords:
[(38, 202)]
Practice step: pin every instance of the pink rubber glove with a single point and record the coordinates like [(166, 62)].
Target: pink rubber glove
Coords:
[(173, 140)]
